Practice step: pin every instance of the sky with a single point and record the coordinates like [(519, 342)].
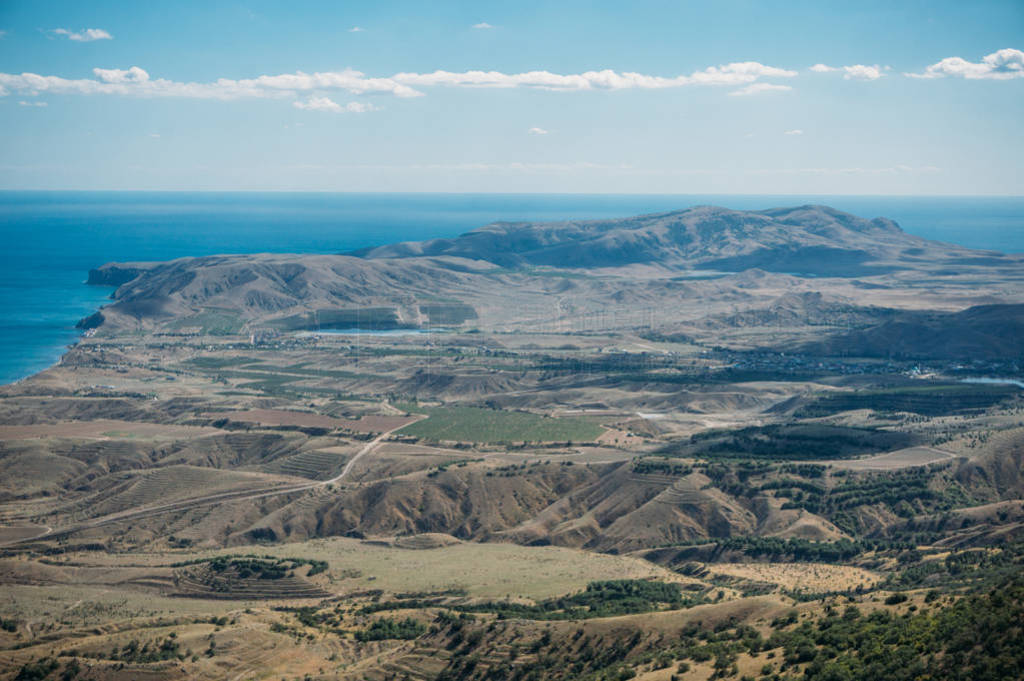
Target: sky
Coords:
[(726, 96)]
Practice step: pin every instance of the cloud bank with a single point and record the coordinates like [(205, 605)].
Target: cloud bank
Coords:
[(135, 81), (739, 73), (748, 77)]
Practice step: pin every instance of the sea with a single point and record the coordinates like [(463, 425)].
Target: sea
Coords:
[(50, 240)]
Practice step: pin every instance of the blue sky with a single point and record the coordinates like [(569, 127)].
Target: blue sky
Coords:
[(667, 97)]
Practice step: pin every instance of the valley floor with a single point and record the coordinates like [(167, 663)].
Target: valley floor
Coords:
[(489, 505)]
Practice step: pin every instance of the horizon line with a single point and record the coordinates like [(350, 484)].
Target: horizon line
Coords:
[(495, 193)]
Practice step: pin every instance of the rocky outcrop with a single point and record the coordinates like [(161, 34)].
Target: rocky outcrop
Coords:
[(116, 274)]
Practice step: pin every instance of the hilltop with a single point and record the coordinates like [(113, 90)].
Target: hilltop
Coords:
[(698, 268), (815, 240)]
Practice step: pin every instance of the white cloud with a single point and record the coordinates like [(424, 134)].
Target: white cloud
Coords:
[(3, 34), (482, 24), (24, 103), (757, 88), (537, 131), (136, 82), (853, 72), (131, 75), (1000, 65), (862, 72), (328, 104), (155, 135), (739, 73), (356, 29), (319, 104), (793, 132), (84, 36)]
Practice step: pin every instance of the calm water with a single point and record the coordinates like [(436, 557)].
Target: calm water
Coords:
[(52, 239)]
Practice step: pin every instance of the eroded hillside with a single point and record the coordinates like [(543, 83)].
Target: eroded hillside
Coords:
[(651, 447)]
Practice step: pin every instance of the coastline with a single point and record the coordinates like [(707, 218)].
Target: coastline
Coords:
[(60, 236)]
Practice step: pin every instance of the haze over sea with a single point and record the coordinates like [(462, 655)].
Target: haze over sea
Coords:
[(52, 239)]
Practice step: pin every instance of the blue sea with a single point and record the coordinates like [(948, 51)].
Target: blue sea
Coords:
[(52, 239)]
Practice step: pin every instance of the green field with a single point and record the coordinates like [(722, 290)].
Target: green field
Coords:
[(473, 424)]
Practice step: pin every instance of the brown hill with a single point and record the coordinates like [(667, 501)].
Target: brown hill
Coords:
[(980, 332), (634, 262), (807, 239)]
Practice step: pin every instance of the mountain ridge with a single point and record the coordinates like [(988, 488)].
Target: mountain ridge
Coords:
[(698, 237), (685, 264)]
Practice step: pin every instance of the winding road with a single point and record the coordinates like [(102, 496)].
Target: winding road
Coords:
[(206, 500)]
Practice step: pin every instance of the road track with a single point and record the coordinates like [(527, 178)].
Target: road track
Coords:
[(195, 502)]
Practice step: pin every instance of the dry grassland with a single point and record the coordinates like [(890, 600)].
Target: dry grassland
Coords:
[(811, 577), (370, 423), (105, 429), (482, 570)]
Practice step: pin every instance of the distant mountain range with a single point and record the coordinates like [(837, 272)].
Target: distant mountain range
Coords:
[(709, 266), (815, 240)]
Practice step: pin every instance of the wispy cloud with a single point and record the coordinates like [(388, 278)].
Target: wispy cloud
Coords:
[(85, 35), (483, 25), (793, 132), (24, 103), (739, 73), (1000, 65), (886, 170), (537, 131), (137, 82), (328, 104), (356, 29), (852, 72), (758, 88), (516, 167)]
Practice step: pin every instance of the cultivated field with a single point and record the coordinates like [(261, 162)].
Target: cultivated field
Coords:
[(279, 417), (902, 458)]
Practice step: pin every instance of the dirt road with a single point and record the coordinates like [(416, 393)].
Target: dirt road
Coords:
[(207, 500)]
